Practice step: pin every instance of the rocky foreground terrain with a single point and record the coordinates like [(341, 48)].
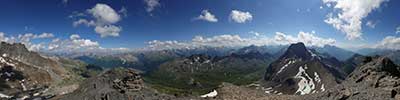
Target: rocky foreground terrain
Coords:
[(115, 84)]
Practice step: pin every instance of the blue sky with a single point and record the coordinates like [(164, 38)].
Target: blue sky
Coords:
[(176, 20)]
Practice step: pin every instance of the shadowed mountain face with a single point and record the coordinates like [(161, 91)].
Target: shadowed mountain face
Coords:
[(302, 71)]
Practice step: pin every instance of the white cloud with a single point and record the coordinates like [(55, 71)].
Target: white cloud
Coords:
[(74, 43), (389, 42), (104, 14), (371, 24), (85, 22), (74, 36), (4, 38), (104, 20), (108, 30), (240, 16), (76, 14), (29, 36), (207, 16), (237, 41), (398, 29), (305, 37), (350, 15), (151, 5), (45, 35)]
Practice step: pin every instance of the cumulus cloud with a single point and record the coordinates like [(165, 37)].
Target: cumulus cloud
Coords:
[(207, 16), (74, 43), (74, 36), (240, 16), (350, 15), (307, 38), (237, 41), (29, 36), (83, 21), (104, 20), (151, 5), (104, 14), (108, 30), (4, 38), (389, 42)]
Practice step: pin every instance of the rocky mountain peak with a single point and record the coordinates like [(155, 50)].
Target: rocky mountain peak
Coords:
[(297, 50), (302, 71)]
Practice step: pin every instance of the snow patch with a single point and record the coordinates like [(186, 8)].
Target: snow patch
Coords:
[(313, 54), (211, 94), (316, 78), (322, 87), (22, 85), (4, 96), (2, 60), (207, 61), (286, 65), (306, 84), (23, 98), (268, 90)]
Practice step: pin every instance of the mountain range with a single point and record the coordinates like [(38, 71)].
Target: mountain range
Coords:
[(254, 72)]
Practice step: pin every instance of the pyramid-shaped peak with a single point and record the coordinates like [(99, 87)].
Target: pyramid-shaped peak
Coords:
[(297, 50)]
